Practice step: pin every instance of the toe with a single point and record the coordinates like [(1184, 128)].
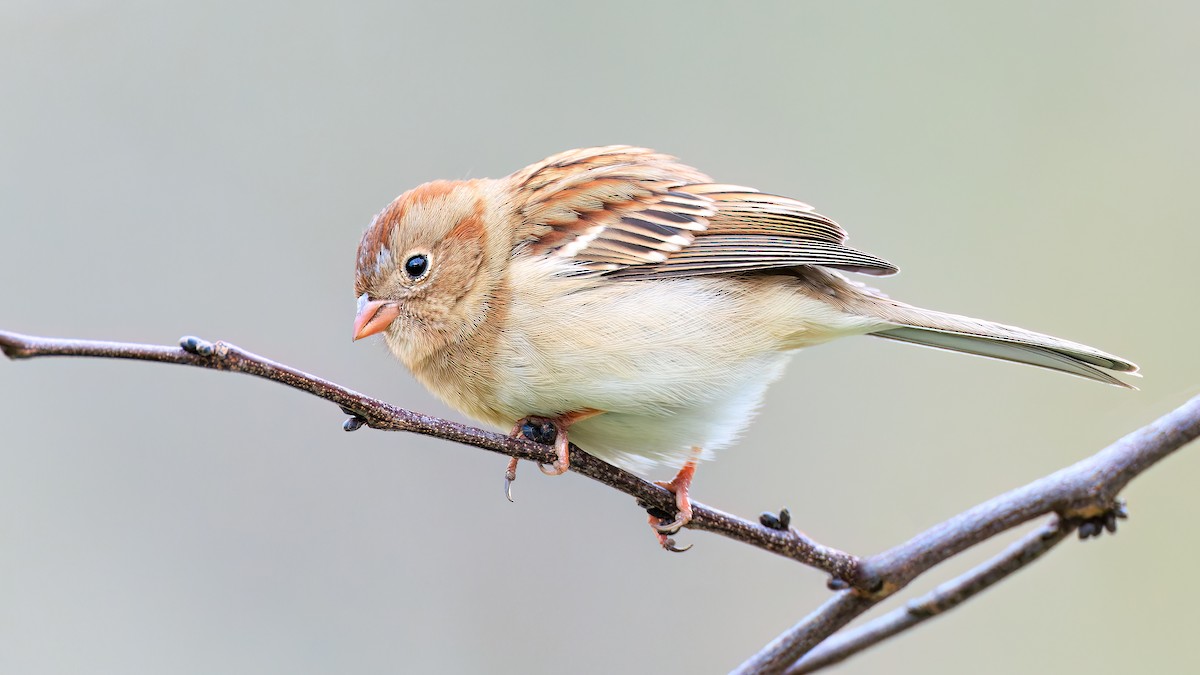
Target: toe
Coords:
[(672, 527), (555, 469)]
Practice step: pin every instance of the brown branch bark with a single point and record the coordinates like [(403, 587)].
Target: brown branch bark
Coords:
[(377, 414), (1085, 492), (938, 601), (1082, 496)]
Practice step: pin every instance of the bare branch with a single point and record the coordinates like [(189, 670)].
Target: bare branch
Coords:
[(378, 414), (941, 599), (1083, 495), (1083, 492)]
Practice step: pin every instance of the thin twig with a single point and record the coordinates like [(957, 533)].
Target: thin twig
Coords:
[(1085, 492), (378, 414), (938, 601)]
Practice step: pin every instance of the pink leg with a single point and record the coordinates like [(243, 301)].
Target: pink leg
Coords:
[(562, 445), (510, 474), (680, 486)]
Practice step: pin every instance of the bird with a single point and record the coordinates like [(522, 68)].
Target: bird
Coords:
[(616, 298)]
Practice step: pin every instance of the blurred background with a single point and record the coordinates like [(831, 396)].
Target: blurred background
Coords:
[(208, 168)]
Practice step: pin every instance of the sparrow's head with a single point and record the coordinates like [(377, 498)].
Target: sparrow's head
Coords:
[(418, 262)]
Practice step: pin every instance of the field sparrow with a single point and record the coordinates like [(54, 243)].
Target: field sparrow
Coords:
[(621, 298)]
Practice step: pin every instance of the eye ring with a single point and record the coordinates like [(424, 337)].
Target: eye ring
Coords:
[(416, 265)]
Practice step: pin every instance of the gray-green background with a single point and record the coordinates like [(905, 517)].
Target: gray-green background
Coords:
[(207, 168)]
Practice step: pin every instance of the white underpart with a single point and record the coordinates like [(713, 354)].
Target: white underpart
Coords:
[(674, 363)]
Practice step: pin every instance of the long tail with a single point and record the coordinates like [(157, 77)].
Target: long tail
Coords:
[(986, 338)]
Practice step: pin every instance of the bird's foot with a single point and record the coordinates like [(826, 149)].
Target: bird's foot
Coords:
[(679, 486), (545, 431), (665, 540)]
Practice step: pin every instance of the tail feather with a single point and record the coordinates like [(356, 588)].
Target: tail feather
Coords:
[(1033, 355), (997, 341)]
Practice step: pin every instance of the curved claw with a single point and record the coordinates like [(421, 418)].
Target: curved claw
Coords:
[(672, 527), (510, 474), (669, 544)]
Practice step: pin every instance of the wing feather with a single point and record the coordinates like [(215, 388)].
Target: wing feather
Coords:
[(631, 213)]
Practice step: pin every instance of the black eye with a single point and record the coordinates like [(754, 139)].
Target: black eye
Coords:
[(416, 265)]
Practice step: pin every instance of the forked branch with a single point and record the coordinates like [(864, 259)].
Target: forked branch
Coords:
[(1082, 496)]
